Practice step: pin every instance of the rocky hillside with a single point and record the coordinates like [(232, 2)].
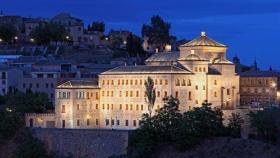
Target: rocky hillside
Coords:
[(225, 148)]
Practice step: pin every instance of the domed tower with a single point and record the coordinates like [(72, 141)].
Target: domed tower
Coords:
[(204, 47)]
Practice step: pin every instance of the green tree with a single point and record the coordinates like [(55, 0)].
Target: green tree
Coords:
[(267, 124), (7, 33), (134, 46), (10, 122), (157, 32), (150, 94), (235, 124), (44, 34), (30, 147), (97, 26)]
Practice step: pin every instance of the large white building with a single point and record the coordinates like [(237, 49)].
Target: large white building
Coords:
[(198, 72)]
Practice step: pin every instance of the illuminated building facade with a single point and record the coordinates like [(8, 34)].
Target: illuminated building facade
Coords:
[(198, 72)]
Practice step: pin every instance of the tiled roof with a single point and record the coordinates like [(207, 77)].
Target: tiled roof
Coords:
[(79, 84), (164, 56), (203, 40), (147, 70), (260, 74)]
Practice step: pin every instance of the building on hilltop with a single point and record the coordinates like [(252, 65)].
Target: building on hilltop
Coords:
[(198, 72)]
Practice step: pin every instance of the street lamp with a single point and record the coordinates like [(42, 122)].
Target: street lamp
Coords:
[(272, 86), (1, 40), (32, 40), (16, 38)]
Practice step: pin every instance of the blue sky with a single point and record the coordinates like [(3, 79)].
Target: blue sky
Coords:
[(250, 28)]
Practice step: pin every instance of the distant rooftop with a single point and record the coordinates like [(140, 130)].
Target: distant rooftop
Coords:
[(203, 40), (79, 84), (143, 69), (260, 74)]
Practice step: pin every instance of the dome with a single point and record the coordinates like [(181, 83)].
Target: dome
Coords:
[(203, 40)]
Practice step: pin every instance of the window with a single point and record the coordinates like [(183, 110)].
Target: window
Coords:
[(137, 93), (108, 106), (103, 106), (165, 93), (131, 82), (131, 107), (190, 95), (112, 93), (204, 87), (177, 82), (118, 122), (112, 122), (126, 122), (120, 106), (189, 82), (112, 106), (88, 122), (119, 82), (215, 82), (131, 93), (97, 122), (137, 107), (126, 82), (195, 69), (196, 101), (96, 106), (126, 106), (134, 123), (196, 87), (215, 94), (107, 122), (63, 109), (37, 85), (160, 82), (78, 122), (103, 82), (103, 93), (204, 69), (108, 93), (78, 106), (122, 82), (96, 95), (228, 91), (158, 94), (136, 82), (108, 82), (176, 94), (140, 82), (166, 82), (184, 82), (126, 93), (120, 93), (112, 82), (142, 107)]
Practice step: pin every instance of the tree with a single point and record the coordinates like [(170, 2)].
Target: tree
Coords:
[(157, 32), (44, 34), (30, 147), (267, 124), (134, 46), (234, 126), (150, 94), (7, 33), (97, 26)]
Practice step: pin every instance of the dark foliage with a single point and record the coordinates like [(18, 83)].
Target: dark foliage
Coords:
[(7, 32), (266, 124), (134, 46), (157, 32), (46, 33), (97, 26), (184, 131)]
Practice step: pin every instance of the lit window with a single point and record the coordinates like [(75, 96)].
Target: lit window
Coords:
[(176, 94), (120, 106), (78, 106), (63, 109)]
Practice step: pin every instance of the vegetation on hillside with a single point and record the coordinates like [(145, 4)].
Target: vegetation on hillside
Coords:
[(182, 130), (266, 124), (7, 33)]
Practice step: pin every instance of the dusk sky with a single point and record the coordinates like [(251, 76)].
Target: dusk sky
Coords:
[(250, 28)]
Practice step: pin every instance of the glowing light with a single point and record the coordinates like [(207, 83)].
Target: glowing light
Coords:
[(32, 40), (67, 37), (16, 38), (273, 85), (203, 33), (1, 40)]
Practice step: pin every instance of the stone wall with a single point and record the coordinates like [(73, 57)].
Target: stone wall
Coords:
[(83, 142)]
